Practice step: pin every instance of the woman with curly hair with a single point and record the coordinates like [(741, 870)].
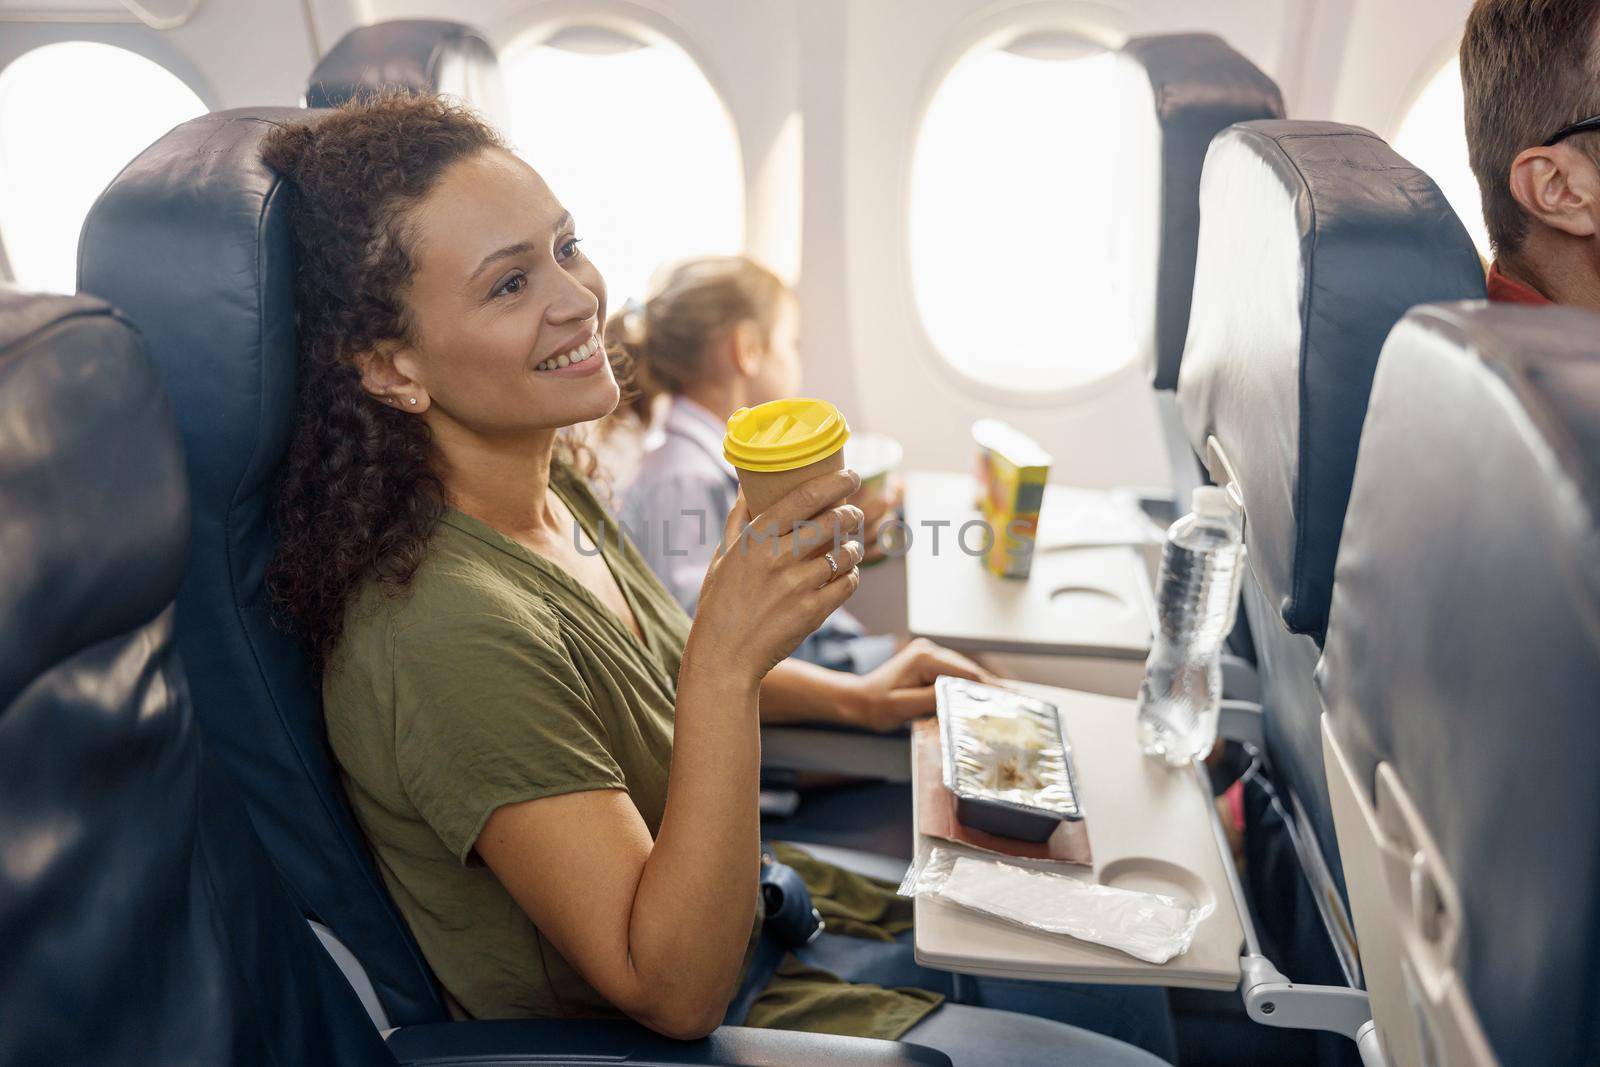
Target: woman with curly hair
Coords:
[(557, 772)]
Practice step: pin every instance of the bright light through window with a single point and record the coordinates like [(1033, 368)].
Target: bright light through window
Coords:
[(1434, 137), (63, 137), (1014, 202), (636, 144)]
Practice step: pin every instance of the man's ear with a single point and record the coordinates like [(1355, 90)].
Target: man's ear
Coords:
[(385, 375), (749, 348), (1559, 187)]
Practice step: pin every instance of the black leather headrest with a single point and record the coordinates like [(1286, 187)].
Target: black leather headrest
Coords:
[(192, 242), (1315, 238), (94, 516), (1464, 644), (422, 55), (1185, 88)]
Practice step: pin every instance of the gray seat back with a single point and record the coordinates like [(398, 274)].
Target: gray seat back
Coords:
[(1181, 90), (1461, 679), (1315, 239), (420, 55)]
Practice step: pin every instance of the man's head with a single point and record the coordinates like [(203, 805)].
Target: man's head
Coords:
[(1529, 68)]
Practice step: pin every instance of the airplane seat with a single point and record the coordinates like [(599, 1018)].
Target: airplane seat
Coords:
[(140, 921), (192, 242), (422, 55), (1315, 238), (1461, 680), (1183, 90)]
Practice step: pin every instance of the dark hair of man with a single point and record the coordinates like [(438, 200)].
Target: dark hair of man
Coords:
[(1528, 68)]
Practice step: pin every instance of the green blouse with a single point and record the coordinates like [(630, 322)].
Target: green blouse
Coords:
[(498, 678)]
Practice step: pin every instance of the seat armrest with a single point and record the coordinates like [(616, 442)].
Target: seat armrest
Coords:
[(836, 749), (509, 1042), (1240, 720), (871, 864), (1239, 679)]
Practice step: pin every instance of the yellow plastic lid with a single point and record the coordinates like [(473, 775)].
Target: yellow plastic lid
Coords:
[(784, 435)]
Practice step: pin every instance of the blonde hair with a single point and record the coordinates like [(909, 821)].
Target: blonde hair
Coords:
[(663, 342)]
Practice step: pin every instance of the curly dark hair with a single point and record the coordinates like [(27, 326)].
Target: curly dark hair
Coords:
[(358, 494)]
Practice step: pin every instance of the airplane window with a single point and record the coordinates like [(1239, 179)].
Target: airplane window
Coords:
[(63, 137), (1015, 193), (636, 144), (1434, 137)]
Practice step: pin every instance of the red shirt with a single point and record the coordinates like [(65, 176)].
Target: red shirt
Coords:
[(1504, 290)]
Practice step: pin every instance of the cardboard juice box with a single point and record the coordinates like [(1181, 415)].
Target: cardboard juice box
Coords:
[(1011, 474)]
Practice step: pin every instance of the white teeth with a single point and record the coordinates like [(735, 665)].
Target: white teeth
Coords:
[(589, 348)]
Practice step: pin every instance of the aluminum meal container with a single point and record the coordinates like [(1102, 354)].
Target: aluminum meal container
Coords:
[(1006, 759)]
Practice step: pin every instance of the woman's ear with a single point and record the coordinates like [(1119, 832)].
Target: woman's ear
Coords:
[(1559, 186), (749, 348), (384, 375)]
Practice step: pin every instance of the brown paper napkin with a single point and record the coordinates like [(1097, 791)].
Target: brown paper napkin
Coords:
[(936, 812)]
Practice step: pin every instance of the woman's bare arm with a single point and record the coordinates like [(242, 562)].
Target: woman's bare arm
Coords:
[(899, 690), (660, 927)]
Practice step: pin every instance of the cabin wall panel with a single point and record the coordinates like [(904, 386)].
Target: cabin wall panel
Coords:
[(747, 51), (232, 53), (896, 51), (1392, 50), (847, 81), (859, 75)]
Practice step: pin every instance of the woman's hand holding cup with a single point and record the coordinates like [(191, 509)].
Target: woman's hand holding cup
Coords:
[(777, 575)]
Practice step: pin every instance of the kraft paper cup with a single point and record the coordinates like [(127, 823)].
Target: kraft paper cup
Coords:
[(776, 446)]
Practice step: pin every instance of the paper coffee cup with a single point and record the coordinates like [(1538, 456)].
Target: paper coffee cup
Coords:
[(780, 444), (876, 456)]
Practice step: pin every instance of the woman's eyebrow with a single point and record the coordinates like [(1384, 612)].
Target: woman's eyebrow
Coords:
[(496, 256), (564, 223)]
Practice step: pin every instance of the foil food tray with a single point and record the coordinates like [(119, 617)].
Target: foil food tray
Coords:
[(1006, 759)]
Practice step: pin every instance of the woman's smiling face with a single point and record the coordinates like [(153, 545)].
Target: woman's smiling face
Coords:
[(505, 310)]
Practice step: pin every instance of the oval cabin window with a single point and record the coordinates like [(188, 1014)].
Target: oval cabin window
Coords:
[(63, 138), (1014, 199), (635, 142), (1433, 135)]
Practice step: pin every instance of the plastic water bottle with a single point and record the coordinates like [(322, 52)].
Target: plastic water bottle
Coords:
[(1197, 597)]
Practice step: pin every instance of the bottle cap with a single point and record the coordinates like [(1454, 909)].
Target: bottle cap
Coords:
[(784, 435), (1211, 501)]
